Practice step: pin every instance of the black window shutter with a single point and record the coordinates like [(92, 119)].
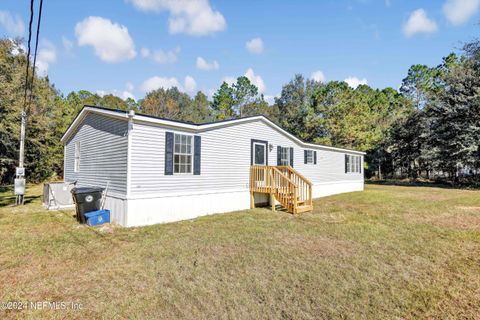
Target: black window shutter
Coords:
[(168, 153), (279, 155), (314, 157), (346, 166), (197, 150), (291, 157), (360, 164), (305, 156)]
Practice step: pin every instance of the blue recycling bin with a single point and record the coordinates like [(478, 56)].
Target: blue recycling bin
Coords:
[(95, 218)]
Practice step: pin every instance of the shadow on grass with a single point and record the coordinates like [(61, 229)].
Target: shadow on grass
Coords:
[(432, 184), (8, 200)]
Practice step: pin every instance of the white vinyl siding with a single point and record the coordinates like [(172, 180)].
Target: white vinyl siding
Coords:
[(226, 159), (103, 153)]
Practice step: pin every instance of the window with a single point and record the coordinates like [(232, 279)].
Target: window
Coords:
[(309, 156), (76, 164), (353, 164), (182, 155), (284, 156)]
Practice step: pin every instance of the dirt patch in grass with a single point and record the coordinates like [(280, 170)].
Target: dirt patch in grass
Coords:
[(317, 246), (455, 220), (464, 222), (469, 208)]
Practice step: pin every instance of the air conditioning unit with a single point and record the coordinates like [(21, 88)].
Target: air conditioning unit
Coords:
[(57, 195)]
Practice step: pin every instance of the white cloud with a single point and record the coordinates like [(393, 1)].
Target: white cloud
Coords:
[(317, 76), (256, 80), (111, 41), (354, 82), (229, 80), (13, 24), (255, 45), (193, 17), (202, 64), (47, 55), (67, 44), (122, 94), (418, 22), (145, 52), (162, 57), (17, 48), (156, 82), (190, 84), (459, 11)]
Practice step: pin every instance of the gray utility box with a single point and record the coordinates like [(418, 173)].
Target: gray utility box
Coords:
[(19, 186), (57, 195)]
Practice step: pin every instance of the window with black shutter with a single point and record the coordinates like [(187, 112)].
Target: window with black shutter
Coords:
[(197, 155), (309, 156)]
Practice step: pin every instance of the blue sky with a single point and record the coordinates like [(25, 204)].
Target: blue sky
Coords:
[(128, 47)]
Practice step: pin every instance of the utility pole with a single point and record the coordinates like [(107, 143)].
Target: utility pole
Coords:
[(22, 140), (20, 170)]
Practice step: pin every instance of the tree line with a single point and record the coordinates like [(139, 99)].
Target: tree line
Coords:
[(429, 128)]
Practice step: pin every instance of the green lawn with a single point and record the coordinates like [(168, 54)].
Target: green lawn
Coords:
[(388, 252)]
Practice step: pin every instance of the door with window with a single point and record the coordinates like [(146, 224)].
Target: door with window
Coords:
[(259, 157), (259, 154)]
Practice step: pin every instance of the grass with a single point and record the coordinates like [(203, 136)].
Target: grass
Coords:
[(388, 252)]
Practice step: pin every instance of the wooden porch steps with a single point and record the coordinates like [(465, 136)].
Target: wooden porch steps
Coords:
[(283, 184)]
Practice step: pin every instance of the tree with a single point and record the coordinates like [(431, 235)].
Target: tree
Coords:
[(455, 119), (200, 109), (238, 100), (297, 109), (43, 151), (223, 102), (165, 103), (245, 94)]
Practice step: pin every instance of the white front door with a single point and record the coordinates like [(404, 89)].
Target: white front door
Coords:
[(259, 154)]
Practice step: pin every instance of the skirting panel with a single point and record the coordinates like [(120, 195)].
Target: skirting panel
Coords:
[(147, 211), (331, 188), (118, 209), (168, 209)]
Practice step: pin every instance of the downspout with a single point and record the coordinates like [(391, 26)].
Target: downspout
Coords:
[(131, 115)]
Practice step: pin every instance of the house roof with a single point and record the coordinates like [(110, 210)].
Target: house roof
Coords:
[(196, 127)]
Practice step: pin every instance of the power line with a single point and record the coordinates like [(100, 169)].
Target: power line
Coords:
[(28, 53), (35, 54)]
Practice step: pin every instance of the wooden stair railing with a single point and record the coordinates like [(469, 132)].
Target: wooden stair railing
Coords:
[(284, 184)]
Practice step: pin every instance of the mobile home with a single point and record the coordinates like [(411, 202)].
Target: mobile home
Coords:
[(160, 170)]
